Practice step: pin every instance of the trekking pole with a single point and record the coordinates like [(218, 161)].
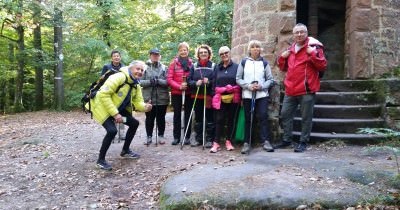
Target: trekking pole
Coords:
[(151, 101), (156, 133), (183, 108), (204, 115), (252, 106), (191, 114)]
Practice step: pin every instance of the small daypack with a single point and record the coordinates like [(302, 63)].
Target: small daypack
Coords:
[(95, 87)]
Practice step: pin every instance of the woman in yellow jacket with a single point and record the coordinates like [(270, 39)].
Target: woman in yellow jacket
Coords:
[(114, 102)]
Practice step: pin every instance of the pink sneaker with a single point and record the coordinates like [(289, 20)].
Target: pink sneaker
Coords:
[(229, 146), (215, 148)]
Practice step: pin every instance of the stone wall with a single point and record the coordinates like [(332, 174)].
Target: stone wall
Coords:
[(372, 38)]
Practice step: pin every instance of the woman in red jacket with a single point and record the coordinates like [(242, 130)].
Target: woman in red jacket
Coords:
[(178, 72)]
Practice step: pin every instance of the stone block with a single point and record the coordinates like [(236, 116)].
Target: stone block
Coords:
[(281, 24), (359, 3), (374, 20), (359, 20), (393, 112), (377, 2), (288, 5), (360, 59), (267, 6)]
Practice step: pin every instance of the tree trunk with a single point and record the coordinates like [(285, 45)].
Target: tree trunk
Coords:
[(106, 20), (37, 43), (19, 80), (207, 14), (58, 72), (173, 9)]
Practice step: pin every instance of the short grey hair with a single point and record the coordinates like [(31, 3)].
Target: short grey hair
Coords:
[(223, 49), (135, 63), (301, 25), (253, 43)]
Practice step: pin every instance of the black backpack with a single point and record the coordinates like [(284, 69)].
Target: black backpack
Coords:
[(95, 87)]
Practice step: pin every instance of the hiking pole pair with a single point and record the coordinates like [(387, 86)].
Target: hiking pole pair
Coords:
[(204, 115), (190, 116), (184, 81), (252, 106)]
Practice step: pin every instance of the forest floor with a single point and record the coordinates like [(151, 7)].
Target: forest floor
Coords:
[(47, 161)]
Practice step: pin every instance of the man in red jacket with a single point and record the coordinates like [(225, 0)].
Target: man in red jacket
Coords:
[(303, 62)]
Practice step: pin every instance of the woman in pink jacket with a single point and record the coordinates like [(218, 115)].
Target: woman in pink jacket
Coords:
[(177, 75)]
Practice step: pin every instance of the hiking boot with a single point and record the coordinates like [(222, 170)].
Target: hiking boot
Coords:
[(161, 140), (175, 142), (268, 147), (194, 143), (283, 144), (301, 147), (129, 154), (148, 141), (208, 144), (245, 148), (228, 145), (102, 164), (187, 141), (215, 147)]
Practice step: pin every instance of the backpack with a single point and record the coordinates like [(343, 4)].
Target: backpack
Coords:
[(95, 87), (245, 59)]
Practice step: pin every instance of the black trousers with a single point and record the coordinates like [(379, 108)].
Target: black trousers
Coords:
[(261, 114), (176, 101), (111, 129), (225, 117), (157, 113)]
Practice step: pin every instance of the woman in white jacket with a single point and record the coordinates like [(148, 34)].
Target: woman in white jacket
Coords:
[(255, 78)]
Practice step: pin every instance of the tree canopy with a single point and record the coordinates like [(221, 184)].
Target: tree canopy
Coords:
[(38, 38)]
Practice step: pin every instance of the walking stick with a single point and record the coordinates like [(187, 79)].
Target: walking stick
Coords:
[(183, 108), (156, 133), (151, 101), (191, 114), (204, 115), (252, 106)]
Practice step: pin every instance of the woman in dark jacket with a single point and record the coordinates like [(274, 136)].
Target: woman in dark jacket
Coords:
[(178, 72), (201, 76), (226, 99)]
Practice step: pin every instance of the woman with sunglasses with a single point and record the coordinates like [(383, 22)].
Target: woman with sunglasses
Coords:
[(226, 99)]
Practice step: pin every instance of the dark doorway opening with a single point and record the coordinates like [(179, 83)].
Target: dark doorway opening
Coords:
[(325, 20)]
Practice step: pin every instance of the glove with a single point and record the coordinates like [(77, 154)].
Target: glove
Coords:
[(153, 82)]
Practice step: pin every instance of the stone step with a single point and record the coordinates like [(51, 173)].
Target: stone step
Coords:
[(347, 98), (329, 125), (353, 138), (347, 85), (347, 111)]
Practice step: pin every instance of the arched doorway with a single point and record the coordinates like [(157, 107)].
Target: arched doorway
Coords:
[(325, 20)]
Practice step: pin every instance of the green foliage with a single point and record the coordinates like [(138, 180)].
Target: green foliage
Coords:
[(134, 28)]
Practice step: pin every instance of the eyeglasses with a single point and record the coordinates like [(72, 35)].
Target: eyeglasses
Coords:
[(224, 53), (203, 52), (299, 32)]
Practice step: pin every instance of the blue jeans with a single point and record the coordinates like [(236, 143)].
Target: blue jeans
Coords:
[(289, 107)]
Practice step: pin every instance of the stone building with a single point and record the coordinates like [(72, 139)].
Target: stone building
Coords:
[(361, 37), (361, 40)]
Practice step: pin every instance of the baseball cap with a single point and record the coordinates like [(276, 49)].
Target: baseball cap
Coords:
[(154, 51)]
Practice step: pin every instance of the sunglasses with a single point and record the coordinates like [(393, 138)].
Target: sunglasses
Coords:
[(224, 53)]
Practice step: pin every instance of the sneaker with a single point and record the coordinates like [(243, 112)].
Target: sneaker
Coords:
[(194, 143), (208, 144), (301, 147), (102, 164), (175, 142), (187, 141), (268, 147), (245, 148), (283, 144), (229, 146), (129, 154), (161, 139), (148, 141), (215, 147)]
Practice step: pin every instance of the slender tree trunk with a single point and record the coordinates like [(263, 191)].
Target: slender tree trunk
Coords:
[(207, 14), (58, 72), (105, 6), (173, 9), (37, 43), (19, 81)]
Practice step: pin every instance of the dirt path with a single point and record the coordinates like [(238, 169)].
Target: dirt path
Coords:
[(47, 161)]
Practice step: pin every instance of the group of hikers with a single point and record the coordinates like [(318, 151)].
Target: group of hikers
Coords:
[(210, 94)]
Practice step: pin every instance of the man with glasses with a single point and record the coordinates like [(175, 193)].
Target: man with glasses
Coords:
[(114, 102), (303, 61)]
